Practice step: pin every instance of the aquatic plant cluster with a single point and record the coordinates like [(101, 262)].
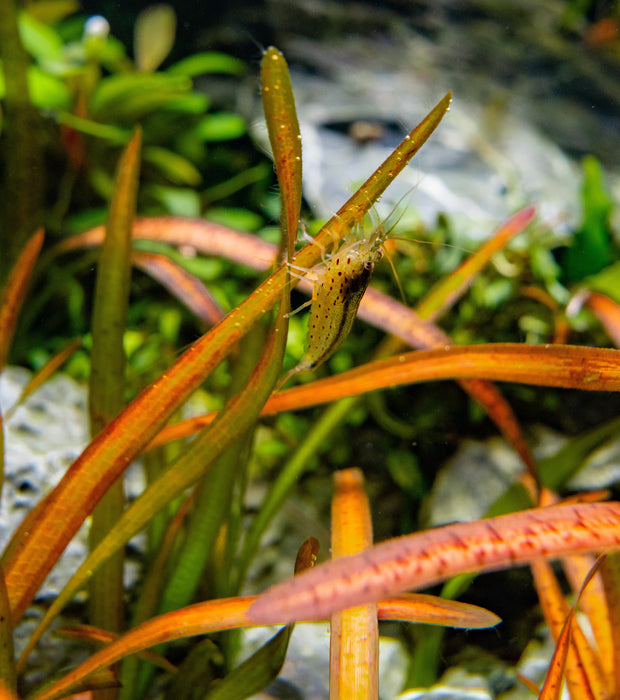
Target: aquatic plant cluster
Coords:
[(205, 528)]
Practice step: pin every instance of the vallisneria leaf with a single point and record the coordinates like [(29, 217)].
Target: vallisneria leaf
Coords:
[(187, 288), (567, 366), (14, 293), (593, 603), (432, 610), (608, 312), (583, 672), (107, 374), (418, 560), (37, 379), (99, 637), (448, 290), (610, 573), (354, 639), (285, 139), (8, 674)]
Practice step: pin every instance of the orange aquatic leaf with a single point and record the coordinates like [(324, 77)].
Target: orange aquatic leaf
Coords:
[(432, 610), (285, 139), (6, 694), (608, 313), (46, 371), (448, 290), (354, 641), (95, 635), (14, 292), (565, 366), (552, 687), (610, 573), (593, 603), (583, 672), (424, 558), (181, 283), (578, 676)]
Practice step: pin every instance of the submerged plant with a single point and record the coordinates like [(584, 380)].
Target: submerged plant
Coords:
[(199, 544)]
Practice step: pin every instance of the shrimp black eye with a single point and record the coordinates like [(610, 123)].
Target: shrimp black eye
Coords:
[(368, 265)]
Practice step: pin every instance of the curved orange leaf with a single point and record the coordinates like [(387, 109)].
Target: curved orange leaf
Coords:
[(14, 292), (608, 313), (566, 366), (432, 610), (181, 283), (418, 560)]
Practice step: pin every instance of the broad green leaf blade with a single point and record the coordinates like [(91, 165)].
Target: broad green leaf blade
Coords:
[(176, 168), (220, 126), (285, 139), (422, 559)]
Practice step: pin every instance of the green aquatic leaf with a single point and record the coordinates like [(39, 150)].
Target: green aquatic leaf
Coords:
[(130, 96), (39, 39), (591, 248), (178, 201), (176, 168), (208, 62), (255, 673), (221, 126), (153, 36), (46, 91)]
